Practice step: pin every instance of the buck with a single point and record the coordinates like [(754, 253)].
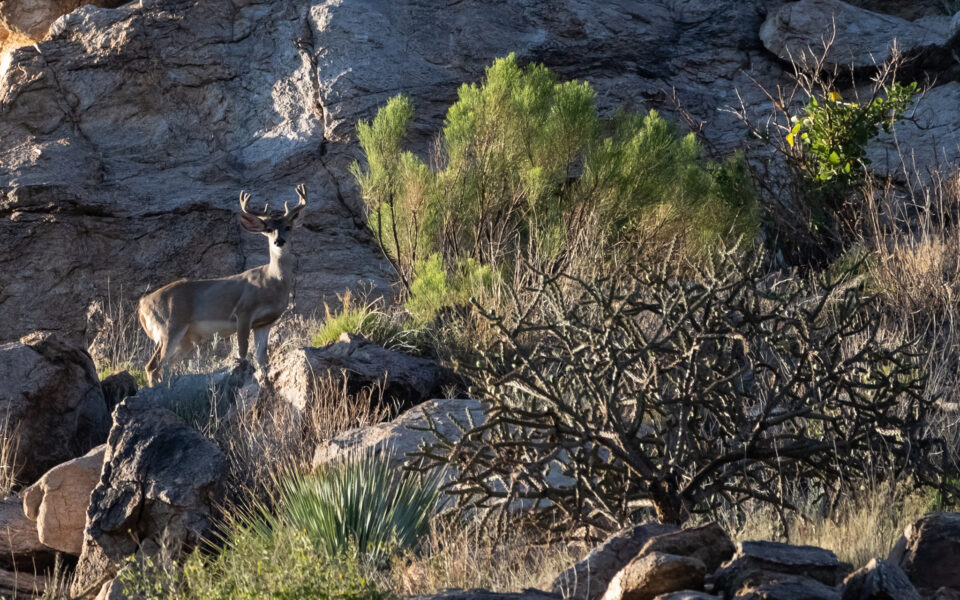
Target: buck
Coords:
[(181, 313)]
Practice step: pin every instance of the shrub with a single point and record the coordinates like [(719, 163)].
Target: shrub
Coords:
[(809, 180), (363, 503), (366, 319), (523, 164), (631, 391)]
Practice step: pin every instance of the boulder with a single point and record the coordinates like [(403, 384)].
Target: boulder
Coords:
[(116, 387), (929, 552), (762, 562), (786, 587), (58, 501), (406, 433), (111, 590), (51, 401), (862, 38), (406, 380), (18, 534), (160, 483), (589, 578), (32, 18), (653, 573), (708, 543), (879, 580), (928, 135)]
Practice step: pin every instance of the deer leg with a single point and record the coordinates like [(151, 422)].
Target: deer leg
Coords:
[(172, 350), (260, 337), (153, 366), (243, 335)]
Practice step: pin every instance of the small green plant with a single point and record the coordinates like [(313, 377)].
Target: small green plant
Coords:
[(363, 503), (253, 566), (831, 135), (366, 319)]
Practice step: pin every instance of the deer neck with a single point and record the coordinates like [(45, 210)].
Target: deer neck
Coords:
[(281, 264)]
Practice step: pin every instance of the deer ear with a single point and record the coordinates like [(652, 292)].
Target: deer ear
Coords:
[(251, 223), (297, 218)]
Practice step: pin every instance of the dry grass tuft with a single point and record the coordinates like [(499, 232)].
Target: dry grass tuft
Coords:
[(467, 556)]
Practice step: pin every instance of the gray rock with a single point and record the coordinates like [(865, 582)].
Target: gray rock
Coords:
[(52, 403), (786, 587), (879, 580), (406, 380), (116, 387), (589, 578), (653, 573), (406, 433), (687, 595), (759, 562), (32, 18), (927, 140), (708, 543), (929, 552), (160, 483), (862, 38), (18, 534)]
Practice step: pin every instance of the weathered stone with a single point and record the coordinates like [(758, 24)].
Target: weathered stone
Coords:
[(709, 543), (32, 18), (111, 590), (687, 595), (142, 123), (928, 138), (406, 433), (861, 38), (879, 580), (51, 401), (786, 587), (405, 380), (589, 578), (929, 552), (160, 483), (58, 501), (758, 562), (116, 387), (18, 534), (653, 573)]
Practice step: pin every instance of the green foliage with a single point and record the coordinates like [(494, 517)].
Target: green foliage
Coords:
[(368, 320), (432, 289), (253, 566), (364, 503), (526, 164), (831, 135)]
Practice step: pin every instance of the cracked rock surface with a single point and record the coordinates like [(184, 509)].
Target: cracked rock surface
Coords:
[(127, 134)]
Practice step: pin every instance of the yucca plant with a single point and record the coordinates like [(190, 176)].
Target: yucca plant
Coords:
[(363, 502)]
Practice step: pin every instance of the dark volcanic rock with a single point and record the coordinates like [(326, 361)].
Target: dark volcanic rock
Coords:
[(159, 485)]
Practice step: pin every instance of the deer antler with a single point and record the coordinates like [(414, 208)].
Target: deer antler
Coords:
[(302, 193), (244, 205)]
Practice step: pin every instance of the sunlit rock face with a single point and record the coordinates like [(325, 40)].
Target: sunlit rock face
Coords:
[(127, 134)]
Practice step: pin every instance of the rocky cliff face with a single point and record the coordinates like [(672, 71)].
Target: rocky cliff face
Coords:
[(127, 134)]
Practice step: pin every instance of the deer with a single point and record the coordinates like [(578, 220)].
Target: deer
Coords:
[(181, 313)]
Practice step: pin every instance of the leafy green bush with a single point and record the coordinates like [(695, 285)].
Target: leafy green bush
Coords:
[(526, 164), (831, 135)]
